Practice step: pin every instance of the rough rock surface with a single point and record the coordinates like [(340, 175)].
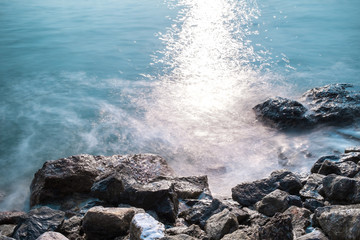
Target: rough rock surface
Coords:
[(193, 231), (331, 104), (276, 201), (339, 222), (72, 228), (278, 228), (7, 229), (52, 236), (107, 223), (300, 219), (314, 235), (340, 189), (145, 227), (220, 224), (13, 217), (39, 221), (312, 187)]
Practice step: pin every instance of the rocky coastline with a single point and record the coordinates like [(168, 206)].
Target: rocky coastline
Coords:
[(133, 197)]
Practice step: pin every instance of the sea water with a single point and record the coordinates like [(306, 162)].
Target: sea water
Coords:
[(176, 78)]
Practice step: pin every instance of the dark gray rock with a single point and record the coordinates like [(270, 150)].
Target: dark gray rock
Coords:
[(313, 204), (179, 237), (353, 149), (278, 228), (300, 219), (329, 167), (282, 113), (220, 224), (7, 229), (6, 238), (52, 236), (295, 200), (276, 201), (248, 233), (317, 234), (55, 180), (143, 226), (317, 165), (339, 222), (37, 222), (72, 229), (346, 165), (338, 189), (193, 231), (12, 217), (351, 156), (249, 193), (312, 187)]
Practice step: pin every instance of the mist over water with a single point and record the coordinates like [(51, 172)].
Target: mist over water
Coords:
[(175, 78)]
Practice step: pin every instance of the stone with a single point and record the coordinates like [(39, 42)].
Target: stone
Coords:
[(193, 187), (276, 201), (287, 181), (193, 231), (220, 224), (300, 219), (317, 165), (55, 180), (348, 169), (340, 189), (37, 222), (6, 238), (278, 228), (12, 217), (145, 227), (317, 234), (179, 237), (313, 204), (7, 229), (329, 167), (282, 113), (107, 223), (339, 222), (52, 236), (71, 227), (249, 233), (351, 156), (294, 200), (312, 187), (355, 149)]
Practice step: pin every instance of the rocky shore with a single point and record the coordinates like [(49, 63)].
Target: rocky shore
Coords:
[(139, 196)]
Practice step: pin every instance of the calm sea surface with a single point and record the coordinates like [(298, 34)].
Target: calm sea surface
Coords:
[(176, 78)]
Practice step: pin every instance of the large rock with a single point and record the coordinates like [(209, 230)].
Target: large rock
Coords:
[(249, 193), (194, 231), (339, 222), (7, 229), (346, 165), (249, 233), (13, 217), (332, 104), (278, 228), (107, 223), (276, 201), (52, 236), (220, 224), (317, 234), (39, 221), (145, 227), (312, 187), (338, 189), (300, 219), (61, 178), (72, 228)]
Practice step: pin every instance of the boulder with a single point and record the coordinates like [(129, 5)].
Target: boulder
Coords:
[(194, 231), (220, 224), (37, 222), (107, 223), (339, 222), (6, 238), (317, 165), (12, 217), (64, 177), (7, 229), (343, 166), (355, 149), (338, 189), (279, 227), (71, 228), (249, 233), (145, 227), (317, 234), (276, 201), (312, 187), (313, 204), (282, 113), (178, 237), (249, 193), (351, 156), (300, 219), (52, 236)]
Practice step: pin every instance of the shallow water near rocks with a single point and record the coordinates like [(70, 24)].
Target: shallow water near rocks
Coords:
[(175, 78)]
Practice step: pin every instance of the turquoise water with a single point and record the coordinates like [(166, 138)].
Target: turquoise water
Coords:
[(176, 78)]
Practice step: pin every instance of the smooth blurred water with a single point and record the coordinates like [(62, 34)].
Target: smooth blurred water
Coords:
[(176, 78)]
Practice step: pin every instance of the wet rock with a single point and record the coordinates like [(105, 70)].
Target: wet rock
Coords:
[(193, 231), (294, 200), (351, 156), (179, 237), (276, 201), (193, 187), (13, 217), (278, 228), (249, 193), (6, 238), (52, 236), (300, 219), (143, 226), (339, 222), (348, 169), (341, 189), (61, 178), (249, 233), (39, 221), (313, 204), (107, 223), (71, 228), (312, 187), (353, 149), (329, 167), (220, 224), (317, 234), (317, 165), (7, 229), (282, 113), (343, 166)]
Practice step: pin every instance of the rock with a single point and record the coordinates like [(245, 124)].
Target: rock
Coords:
[(339, 222), (7, 229), (248, 194), (317, 165), (145, 227), (220, 224), (52, 236), (313, 204), (249, 233), (341, 189), (193, 187), (6, 238), (353, 149), (193, 231), (294, 200), (179, 237), (282, 113), (317, 234), (351, 156), (348, 169), (55, 180), (343, 166), (300, 219), (71, 228), (329, 167), (278, 228), (312, 187), (37, 222), (276, 201), (107, 223), (13, 217)]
